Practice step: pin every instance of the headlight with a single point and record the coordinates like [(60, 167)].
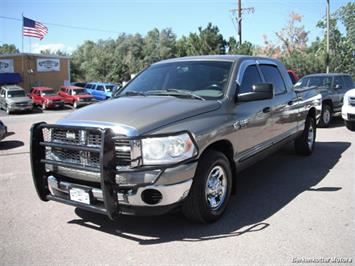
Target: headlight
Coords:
[(168, 150)]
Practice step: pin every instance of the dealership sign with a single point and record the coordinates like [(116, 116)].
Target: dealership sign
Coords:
[(6, 66), (46, 65)]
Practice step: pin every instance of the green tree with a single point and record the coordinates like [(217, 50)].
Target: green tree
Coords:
[(207, 41), (233, 47), (8, 49), (342, 46)]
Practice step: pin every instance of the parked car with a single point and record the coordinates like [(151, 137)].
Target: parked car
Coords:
[(332, 87), (175, 136), (293, 76), (348, 109), (75, 96), (3, 130), (78, 84), (101, 91), (13, 98), (46, 98)]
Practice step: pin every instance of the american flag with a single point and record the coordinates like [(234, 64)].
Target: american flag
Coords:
[(33, 28)]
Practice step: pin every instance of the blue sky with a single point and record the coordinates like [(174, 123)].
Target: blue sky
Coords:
[(143, 15)]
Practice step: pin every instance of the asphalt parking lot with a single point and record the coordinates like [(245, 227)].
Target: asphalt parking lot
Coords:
[(287, 208)]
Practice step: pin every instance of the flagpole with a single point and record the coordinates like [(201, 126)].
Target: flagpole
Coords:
[(22, 48)]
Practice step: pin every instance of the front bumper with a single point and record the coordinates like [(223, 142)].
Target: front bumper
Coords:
[(54, 104), (14, 108), (112, 192), (348, 112)]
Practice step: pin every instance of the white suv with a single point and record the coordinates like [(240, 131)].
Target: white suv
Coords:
[(348, 109)]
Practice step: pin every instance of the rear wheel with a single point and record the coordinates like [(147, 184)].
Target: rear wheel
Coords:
[(326, 116), (211, 189), (350, 125), (305, 143)]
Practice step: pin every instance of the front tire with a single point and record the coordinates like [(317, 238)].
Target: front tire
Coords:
[(75, 104), (8, 111), (44, 107), (326, 116), (304, 144), (211, 189), (350, 125)]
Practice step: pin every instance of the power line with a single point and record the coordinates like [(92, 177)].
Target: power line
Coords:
[(65, 26)]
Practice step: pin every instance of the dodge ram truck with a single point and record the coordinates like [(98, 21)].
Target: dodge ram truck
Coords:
[(175, 137)]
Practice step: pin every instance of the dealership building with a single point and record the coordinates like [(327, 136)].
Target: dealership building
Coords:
[(31, 70)]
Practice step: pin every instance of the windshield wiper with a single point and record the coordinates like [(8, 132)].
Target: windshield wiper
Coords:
[(176, 92), (131, 93)]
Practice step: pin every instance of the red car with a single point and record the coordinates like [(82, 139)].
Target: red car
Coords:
[(75, 96), (46, 97), (293, 76)]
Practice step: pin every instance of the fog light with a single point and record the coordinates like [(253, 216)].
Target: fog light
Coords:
[(151, 196)]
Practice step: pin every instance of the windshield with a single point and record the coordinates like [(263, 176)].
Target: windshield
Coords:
[(78, 92), (109, 87), (14, 94), (207, 79), (48, 93)]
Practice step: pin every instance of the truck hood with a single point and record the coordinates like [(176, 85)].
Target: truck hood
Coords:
[(143, 114), (19, 100), (52, 97)]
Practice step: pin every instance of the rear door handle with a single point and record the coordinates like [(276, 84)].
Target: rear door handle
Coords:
[(266, 110)]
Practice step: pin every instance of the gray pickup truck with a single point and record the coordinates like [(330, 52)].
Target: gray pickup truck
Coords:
[(175, 136), (332, 87)]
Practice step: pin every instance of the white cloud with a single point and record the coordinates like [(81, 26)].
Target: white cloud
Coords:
[(53, 47)]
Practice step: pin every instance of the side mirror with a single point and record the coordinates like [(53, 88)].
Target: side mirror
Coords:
[(337, 87), (261, 91)]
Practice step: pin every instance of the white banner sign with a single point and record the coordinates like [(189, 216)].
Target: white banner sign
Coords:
[(48, 64), (6, 66)]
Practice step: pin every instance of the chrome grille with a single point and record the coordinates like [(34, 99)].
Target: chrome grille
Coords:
[(352, 101), (123, 152), (84, 158), (72, 136), (90, 138)]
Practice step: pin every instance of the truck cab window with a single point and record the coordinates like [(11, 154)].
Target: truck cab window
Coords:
[(272, 75), (251, 76)]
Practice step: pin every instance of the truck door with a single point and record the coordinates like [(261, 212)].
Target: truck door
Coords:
[(100, 92), (252, 119), (284, 103), (339, 91)]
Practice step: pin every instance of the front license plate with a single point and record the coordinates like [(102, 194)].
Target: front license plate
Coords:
[(79, 195)]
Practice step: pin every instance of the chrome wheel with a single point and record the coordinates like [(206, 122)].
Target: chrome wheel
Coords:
[(75, 104), (310, 138), (216, 187), (326, 116)]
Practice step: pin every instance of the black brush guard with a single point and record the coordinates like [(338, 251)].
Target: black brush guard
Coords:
[(107, 168)]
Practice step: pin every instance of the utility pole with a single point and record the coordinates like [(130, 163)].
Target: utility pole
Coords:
[(240, 11), (328, 30)]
